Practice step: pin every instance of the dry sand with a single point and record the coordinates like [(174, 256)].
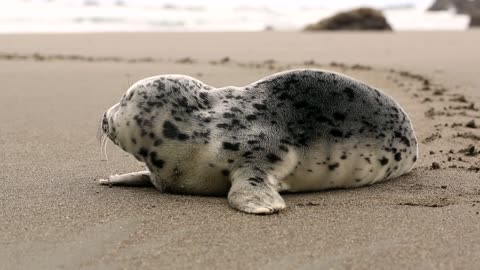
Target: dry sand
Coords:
[(53, 215)]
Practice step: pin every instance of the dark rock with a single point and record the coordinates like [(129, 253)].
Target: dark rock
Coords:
[(462, 6), (269, 28), (356, 19), (469, 7), (475, 19)]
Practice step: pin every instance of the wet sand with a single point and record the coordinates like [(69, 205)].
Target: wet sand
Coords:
[(53, 215)]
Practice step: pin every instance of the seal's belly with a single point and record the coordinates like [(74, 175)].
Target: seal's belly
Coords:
[(347, 165)]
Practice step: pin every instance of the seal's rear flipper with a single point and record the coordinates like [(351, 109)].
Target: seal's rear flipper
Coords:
[(135, 179), (251, 193)]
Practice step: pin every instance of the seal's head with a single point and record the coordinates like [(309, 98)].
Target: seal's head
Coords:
[(153, 110), (116, 126)]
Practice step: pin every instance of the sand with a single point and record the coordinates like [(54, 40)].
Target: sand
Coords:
[(53, 215)]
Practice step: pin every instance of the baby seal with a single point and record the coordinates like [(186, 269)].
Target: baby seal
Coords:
[(298, 130)]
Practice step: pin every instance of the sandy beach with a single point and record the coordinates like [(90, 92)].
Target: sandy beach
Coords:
[(53, 214)]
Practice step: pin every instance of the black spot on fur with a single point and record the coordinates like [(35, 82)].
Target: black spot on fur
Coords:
[(160, 85), (300, 104), (223, 125), (203, 95), (368, 160), (225, 172), (130, 95), (228, 115), (323, 119), (383, 161), (348, 135), (339, 116), (156, 161), (247, 154), (183, 137), (143, 152), (237, 123), (253, 141), (286, 141), (251, 117), (171, 131), (414, 159), (231, 146), (258, 148), (284, 96), (333, 166), (336, 133), (272, 158), (402, 138), (259, 106), (398, 156), (350, 93)]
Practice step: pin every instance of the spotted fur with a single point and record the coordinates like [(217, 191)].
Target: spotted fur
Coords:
[(299, 130)]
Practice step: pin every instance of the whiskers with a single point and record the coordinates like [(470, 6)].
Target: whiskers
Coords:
[(103, 141), (103, 146)]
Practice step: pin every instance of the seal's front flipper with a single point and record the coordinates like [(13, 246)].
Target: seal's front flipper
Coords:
[(135, 179), (254, 195)]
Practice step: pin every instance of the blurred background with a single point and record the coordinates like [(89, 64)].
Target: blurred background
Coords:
[(35, 16), (55, 87)]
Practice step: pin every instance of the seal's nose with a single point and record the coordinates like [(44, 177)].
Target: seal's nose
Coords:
[(105, 124)]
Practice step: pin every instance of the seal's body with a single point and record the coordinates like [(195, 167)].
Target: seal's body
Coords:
[(300, 130)]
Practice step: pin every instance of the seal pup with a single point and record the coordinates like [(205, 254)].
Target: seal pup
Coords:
[(294, 131)]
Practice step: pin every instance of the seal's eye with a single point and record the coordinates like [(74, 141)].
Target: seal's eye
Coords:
[(105, 123)]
